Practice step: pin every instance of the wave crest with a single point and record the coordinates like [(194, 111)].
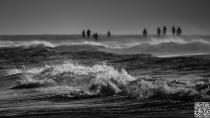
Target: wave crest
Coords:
[(177, 40), (98, 79), (106, 80), (27, 44)]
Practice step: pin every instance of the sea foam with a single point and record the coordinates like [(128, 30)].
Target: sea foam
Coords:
[(95, 78), (27, 44), (105, 80)]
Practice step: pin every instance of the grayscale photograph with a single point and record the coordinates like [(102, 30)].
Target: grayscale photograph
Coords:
[(104, 58)]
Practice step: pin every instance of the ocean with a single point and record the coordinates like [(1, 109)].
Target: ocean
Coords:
[(114, 77)]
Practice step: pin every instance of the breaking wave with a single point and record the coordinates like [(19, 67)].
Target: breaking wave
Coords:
[(105, 80), (177, 40), (167, 47), (97, 78), (26, 44), (162, 47), (125, 43), (153, 41), (106, 44)]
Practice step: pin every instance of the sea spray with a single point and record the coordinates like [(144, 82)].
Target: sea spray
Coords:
[(27, 44), (144, 89), (105, 80), (95, 78), (177, 40)]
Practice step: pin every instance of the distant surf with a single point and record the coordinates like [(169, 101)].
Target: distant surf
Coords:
[(159, 46)]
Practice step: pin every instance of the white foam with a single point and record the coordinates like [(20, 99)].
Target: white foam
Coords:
[(35, 44), (101, 79), (26, 44), (156, 41), (111, 44), (106, 44), (178, 40), (79, 76)]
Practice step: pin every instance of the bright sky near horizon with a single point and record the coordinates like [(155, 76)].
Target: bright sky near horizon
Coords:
[(119, 16)]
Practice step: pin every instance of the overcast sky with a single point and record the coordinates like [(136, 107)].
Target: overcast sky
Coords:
[(119, 16)]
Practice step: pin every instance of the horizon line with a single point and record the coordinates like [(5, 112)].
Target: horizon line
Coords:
[(117, 34), (99, 34)]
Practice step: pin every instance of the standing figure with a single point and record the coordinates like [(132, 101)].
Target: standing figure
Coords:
[(108, 34), (179, 31), (145, 33), (158, 31), (173, 31), (88, 33), (164, 30), (95, 36), (83, 34)]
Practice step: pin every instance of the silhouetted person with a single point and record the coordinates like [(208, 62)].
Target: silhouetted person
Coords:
[(164, 30), (83, 33), (179, 31), (145, 33), (108, 33), (95, 36), (173, 31), (88, 33), (158, 31)]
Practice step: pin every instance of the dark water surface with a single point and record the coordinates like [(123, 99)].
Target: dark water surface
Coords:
[(124, 76)]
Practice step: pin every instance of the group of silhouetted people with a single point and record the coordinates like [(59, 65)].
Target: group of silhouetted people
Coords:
[(160, 32), (87, 34), (163, 32)]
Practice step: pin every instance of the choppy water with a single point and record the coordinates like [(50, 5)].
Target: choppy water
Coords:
[(122, 76)]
